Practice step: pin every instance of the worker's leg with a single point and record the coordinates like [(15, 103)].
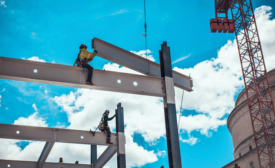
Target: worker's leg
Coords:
[(107, 129), (90, 74)]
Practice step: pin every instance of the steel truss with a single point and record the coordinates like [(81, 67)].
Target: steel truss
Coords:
[(159, 82), (52, 135), (256, 81)]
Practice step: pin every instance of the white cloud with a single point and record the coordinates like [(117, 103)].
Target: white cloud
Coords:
[(32, 120), (46, 91), (3, 90), (33, 35), (120, 12), (142, 53), (181, 58), (191, 141), (161, 153), (35, 58), (7, 108), (3, 3), (34, 106)]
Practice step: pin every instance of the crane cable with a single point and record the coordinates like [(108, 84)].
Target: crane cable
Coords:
[(180, 109), (145, 27)]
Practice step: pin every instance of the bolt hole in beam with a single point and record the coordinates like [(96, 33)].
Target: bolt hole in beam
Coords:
[(135, 83), (82, 137), (118, 81), (17, 132), (8, 165), (35, 70)]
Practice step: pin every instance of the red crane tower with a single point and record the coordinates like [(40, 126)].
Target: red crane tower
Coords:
[(255, 77)]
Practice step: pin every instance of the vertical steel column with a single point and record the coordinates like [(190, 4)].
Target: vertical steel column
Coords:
[(121, 160), (93, 154), (172, 136)]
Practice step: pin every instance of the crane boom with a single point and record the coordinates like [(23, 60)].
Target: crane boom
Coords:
[(257, 87)]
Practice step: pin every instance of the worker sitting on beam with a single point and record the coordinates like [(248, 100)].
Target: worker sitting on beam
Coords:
[(82, 60), (104, 125)]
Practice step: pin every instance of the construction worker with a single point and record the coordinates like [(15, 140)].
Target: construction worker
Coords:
[(61, 160), (104, 121), (82, 60)]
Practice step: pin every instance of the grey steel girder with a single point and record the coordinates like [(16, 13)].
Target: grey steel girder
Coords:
[(45, 153), (137, 63), (105, 157), (27, 164), (48, 73), (54, 135)]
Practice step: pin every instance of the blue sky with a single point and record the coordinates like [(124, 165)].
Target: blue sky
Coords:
[(52, 31)]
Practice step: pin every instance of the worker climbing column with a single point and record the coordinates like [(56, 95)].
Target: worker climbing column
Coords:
[(172, 136), (121, 160), (93, 154)]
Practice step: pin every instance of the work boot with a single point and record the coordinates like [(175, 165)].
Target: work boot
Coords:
[(89, 83), (109, 142)]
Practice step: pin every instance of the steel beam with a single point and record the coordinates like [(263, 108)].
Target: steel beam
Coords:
[(54, 135), (170, 113), (93, 154), (45, 153), (121, 159), (27, 164), (54, 74), (137, 63), (105, 157)]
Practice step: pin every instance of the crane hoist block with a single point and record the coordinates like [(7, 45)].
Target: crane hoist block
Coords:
[(214, 25), (220, 25), (225, 25), (231, 26)]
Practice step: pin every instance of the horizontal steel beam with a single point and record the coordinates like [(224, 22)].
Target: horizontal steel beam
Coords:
[(27, 164), (137, 63), (47, 73), (105, 157), (45, 153), (54, 135)]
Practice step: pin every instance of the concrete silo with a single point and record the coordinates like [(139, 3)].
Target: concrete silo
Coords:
[(239, 125)]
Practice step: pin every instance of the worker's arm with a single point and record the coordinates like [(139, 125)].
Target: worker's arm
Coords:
[(111, 118), (91, 56)]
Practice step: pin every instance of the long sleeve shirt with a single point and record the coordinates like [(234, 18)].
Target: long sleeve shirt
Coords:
[(106, 119), (85, 56)]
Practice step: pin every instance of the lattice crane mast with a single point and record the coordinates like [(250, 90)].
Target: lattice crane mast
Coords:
[(255, 76)]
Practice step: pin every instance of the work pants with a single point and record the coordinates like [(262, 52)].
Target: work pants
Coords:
[(107, 129), (91, 69)]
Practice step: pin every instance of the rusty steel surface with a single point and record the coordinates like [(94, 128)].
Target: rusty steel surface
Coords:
[(54, 74), (137, 63), (258, 92)]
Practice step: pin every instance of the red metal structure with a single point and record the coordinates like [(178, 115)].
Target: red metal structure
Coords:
[(255, 77)]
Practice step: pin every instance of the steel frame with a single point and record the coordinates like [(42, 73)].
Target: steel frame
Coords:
[(47, 73), (256, 81), (29, 164), (172, 137), (54, 135), (30, 71), (137, 63)]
